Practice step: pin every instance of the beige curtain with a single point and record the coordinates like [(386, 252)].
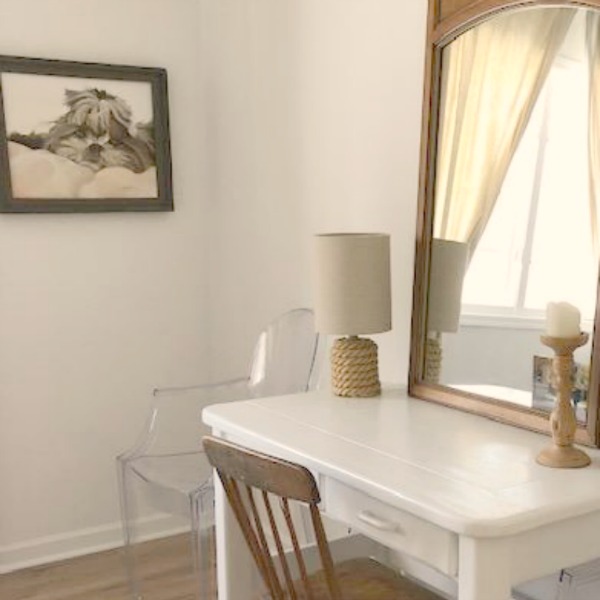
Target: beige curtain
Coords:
[(593, 50), (492, 78)]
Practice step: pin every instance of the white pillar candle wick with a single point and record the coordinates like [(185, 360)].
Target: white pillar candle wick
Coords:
[(562, 320)]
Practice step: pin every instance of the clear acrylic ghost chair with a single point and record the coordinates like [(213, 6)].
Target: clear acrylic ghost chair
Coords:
[(580, 582), (167, 470)]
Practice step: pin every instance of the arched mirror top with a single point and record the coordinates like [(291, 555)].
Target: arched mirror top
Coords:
[(450, 18), (459, 358)]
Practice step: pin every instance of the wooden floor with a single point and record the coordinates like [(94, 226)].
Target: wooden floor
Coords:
[(165, 567)]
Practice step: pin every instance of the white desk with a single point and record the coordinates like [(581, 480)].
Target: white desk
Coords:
[(458, 491)]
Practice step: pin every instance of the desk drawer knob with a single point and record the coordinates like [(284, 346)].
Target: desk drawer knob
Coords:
[(377, 522)]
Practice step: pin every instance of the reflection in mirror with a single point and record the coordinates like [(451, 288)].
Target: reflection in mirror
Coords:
[(515, 202), (447, 270)]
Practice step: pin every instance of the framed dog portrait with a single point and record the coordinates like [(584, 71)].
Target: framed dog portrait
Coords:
[(83, 137)]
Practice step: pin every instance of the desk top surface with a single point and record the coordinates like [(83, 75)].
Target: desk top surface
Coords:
[(460, 471)]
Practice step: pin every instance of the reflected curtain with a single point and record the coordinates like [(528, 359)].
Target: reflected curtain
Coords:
[(593, 51), (492, 76)]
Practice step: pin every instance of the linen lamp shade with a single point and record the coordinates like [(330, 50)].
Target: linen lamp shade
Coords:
[(352, 283), (447, 271)]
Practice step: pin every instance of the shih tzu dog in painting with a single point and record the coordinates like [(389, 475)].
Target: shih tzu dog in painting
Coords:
[(97, 131)]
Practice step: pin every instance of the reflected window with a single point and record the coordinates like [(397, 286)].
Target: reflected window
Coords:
[(538, 242)]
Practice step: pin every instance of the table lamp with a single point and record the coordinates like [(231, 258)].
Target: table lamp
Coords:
[(446, 275), (352, 298)]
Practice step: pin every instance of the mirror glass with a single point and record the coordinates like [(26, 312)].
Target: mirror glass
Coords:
[(516, 203)]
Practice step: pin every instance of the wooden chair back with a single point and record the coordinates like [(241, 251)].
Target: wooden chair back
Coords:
[(250, 479)]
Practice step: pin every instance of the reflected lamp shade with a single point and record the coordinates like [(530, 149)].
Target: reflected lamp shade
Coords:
[(447, 271), (353, 297)]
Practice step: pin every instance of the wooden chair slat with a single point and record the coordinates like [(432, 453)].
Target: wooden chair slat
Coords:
[(264, 545), (285, 507), (325, 554), (280, 550), (241, 515)]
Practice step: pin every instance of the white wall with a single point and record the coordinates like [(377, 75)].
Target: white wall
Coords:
[(258, 220), (319, 106), (288, 118), (95, 310)]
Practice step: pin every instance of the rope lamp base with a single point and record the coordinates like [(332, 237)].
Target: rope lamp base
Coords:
[(433, 359), (354, 370)]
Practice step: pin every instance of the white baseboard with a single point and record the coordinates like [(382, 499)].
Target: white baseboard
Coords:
[(52, 548)]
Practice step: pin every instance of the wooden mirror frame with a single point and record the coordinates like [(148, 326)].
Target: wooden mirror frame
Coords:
[(447, 19)]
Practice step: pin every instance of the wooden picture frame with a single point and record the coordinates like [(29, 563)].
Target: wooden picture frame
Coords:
[(83, 137)]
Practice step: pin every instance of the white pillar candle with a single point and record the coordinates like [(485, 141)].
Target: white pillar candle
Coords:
[(562, 320)]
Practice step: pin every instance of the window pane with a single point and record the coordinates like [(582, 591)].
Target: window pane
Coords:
[(562, 261)]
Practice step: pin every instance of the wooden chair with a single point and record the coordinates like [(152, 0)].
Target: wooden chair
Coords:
[(251, 480)]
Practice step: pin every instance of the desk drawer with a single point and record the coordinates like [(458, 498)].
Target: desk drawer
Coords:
[(394, 528)]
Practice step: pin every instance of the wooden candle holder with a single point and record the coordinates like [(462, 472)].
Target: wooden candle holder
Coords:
[(563, 424)]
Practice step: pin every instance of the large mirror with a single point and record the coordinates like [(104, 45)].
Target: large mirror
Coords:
[(509, 214)]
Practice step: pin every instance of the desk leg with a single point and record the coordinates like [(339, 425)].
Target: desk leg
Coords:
[(484, 569), (235, 573)]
